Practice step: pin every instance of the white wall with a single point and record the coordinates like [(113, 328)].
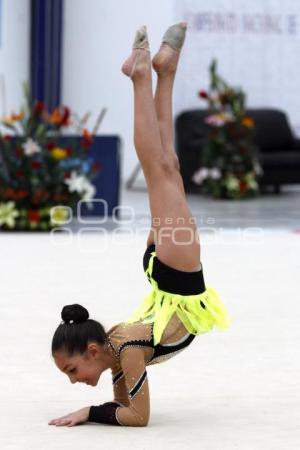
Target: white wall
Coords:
[(14, 52), (264, 61), (98, 36)]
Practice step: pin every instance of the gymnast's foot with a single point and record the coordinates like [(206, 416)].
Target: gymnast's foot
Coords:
[(138, 62), (166, 59)]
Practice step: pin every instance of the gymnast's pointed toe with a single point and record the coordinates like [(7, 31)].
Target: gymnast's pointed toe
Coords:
[(175, 36), (139, 61), (166, 59), (141, 40)]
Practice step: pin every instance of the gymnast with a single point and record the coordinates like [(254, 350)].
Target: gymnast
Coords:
[(178, 306)]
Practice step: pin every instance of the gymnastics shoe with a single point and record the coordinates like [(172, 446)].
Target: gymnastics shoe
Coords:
[(139, 59), (175, 36), (166, 59)]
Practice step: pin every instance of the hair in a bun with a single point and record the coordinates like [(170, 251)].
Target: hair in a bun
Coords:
[(74, 313), (76, 331)]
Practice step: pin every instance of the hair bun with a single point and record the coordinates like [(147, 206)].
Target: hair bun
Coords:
[(75, 313)]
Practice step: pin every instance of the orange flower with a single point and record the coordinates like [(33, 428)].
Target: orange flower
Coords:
[(7, 121), (60, 116), (17, 117), (248, 122), (55, 117), (10, 120)]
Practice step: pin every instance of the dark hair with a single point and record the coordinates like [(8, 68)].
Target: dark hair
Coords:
[(76, 331)]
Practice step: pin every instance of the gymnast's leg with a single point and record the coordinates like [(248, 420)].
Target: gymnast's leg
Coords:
[(174, 231), (165, 65)]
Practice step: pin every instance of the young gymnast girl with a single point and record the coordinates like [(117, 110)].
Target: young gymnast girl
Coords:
[(179, 306)]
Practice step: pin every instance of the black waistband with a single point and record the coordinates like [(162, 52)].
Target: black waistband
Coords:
[(173, 280)]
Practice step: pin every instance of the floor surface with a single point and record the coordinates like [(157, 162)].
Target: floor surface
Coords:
[(234, 390)]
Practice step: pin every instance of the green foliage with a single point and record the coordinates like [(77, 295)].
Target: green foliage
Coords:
[(229, 163)]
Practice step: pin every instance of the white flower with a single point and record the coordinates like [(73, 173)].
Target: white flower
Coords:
[(200, 175), (215, 173), (89, 191), (8, 214), (31, 147), (76, 183), (81, 185), (251, 182), (219, 119), (258, 169), (204, 173), (232, 183)]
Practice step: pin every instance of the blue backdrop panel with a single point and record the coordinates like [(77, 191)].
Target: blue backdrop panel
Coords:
[(46, 51), (106, 150)]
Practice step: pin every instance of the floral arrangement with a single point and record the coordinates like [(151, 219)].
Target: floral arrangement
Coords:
[(229, 165), (40, 181)]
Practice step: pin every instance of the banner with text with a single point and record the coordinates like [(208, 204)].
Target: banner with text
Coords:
[(256, 44)]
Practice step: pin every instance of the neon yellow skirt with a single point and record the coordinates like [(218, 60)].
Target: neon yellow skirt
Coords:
[(159, 306)]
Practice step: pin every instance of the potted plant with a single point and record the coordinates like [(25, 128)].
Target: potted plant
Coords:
[(41, 181), (229, 164)]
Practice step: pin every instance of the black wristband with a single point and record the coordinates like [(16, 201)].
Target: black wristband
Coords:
[(105, 413)]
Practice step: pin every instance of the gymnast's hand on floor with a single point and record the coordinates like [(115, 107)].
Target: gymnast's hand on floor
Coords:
[(72, 419)]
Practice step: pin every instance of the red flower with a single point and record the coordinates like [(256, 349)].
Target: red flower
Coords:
[(33, 216), (50, 145), (87, 139), (36, 164), (39, 196), (38, 108), (232, 130), (69, 151), (96, 167), (65, 116), (67, 174), (243, 186), (20, 173), (203, 94), (7, 137), (10, 193), (21, 194), (60, 197), (19, 152)]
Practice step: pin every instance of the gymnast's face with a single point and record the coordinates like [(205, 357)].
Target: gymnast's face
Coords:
[(83, 368)]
